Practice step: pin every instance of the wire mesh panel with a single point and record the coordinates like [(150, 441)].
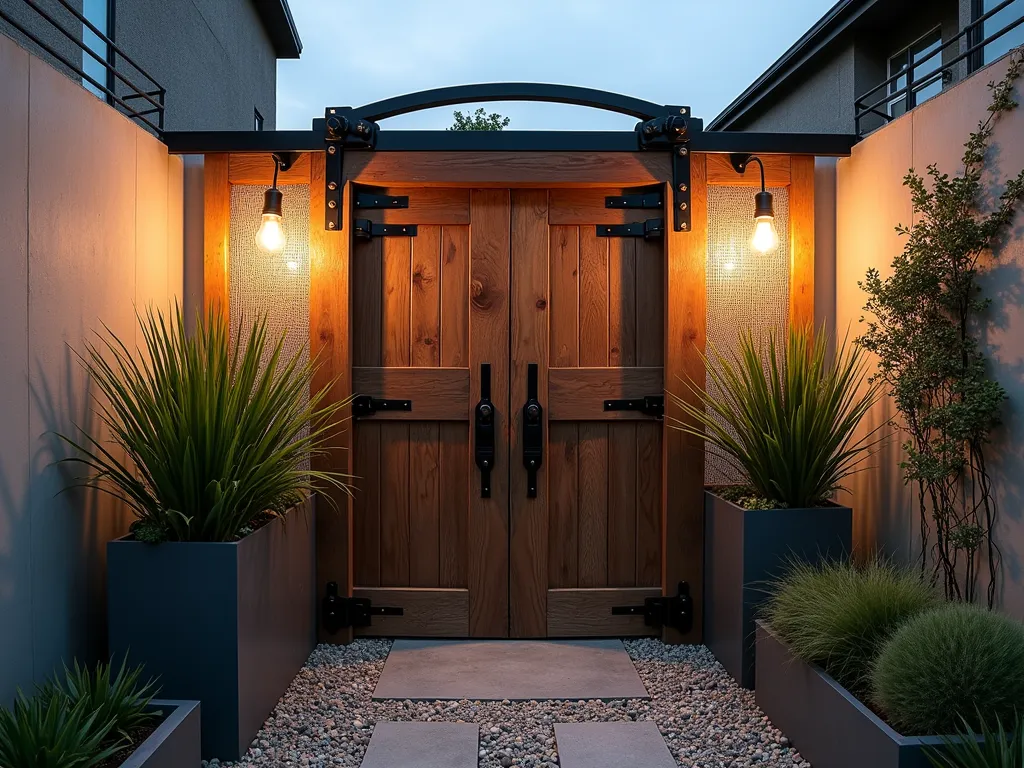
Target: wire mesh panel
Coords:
[(745, 289)]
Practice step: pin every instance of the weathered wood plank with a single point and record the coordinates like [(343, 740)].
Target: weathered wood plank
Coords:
[(426, 297), (366, 505), (440, 394), (564, 326), (648, 504), (424, 505), (621, 505), (593, 312), (367, 295), (563, 518), (578, 394), (593, 505), (801, 228), (394, 505), (588, 612), (454, 513), (435, 206), (259, 169), (587, 208), (455, 296), (426, 612), (216, 234), (396, 301), (621, 302), (720, 171)]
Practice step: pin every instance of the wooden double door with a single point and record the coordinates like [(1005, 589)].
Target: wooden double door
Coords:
[(497, 290)]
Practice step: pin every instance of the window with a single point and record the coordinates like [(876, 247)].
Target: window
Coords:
[(992, 25), (100, 14), (912, 64), (257, 123)]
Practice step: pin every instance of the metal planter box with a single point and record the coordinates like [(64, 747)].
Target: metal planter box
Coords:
[(228, 624), (825, 722), (175, 742), (743, 550)]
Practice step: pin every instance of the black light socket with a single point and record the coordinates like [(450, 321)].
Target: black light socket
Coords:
[(272, 201), (763, 205)]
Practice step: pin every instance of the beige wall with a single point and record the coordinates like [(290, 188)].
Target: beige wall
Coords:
[(90, 216), (871, 202)]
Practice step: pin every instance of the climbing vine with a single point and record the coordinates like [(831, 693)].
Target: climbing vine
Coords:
[(925, 332)]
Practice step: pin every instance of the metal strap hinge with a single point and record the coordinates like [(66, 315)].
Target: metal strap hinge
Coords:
[(649, 405), (647, 200), (373, 200), (651, 229), (366, 229), (366, 405), (674, 611), (344, 612)]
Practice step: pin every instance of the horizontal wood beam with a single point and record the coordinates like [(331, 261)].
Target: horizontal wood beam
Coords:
[(578, 394), (259, 170), (588, 612), (437, 394), (425, 612), (776, 172)]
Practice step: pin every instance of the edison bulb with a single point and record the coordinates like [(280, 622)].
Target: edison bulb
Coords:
[(765, 238), (271, 237)]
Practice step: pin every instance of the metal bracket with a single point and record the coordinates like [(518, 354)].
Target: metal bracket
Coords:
[(342, 130), (344, 612), (649, 405), (365, 405), (367, 230), (533, 431), (651, 229), (373, 200), (484, 454), (673, 132), (643, 200), (674, 611)]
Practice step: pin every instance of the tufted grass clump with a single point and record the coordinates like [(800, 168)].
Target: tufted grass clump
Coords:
[(838, 614), (956, 665)]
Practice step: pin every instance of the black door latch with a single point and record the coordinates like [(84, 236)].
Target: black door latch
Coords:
[(533, 432), (484, 431), (674, 611), (343, 612)]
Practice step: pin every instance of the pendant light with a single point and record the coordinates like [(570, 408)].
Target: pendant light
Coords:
[(271, 237), (765, 239)]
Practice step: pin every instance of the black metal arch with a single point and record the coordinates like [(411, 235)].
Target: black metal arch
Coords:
[(482, 92)]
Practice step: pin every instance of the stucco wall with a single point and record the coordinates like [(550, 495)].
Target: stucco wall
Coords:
[(871, 202), (92, 227)]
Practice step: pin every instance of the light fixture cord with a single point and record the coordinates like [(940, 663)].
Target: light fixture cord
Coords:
[(756, 159), (277, 167)]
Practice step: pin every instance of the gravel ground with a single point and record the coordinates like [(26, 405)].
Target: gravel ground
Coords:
[(326, 717)]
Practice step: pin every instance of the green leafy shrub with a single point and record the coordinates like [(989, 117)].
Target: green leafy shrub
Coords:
[(784, 416), (996, 748), (838, 615), (216, 433), (116, 697), (50, 732), (948, 665)]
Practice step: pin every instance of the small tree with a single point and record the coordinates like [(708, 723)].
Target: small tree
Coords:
[(925, 333), (479, 121)]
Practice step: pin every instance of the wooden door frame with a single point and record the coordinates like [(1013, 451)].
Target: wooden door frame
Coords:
[(685, 298)]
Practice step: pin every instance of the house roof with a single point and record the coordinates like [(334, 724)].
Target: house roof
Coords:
[(277, 18), (782, 74)]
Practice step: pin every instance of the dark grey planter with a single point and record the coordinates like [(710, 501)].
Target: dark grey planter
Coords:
[(227, 624), (176, 741), (744, 549), (823, 720)]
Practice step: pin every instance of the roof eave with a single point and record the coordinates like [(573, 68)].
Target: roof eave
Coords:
[(280, 25)]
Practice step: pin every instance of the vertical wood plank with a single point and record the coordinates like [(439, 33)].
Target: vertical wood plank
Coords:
[(593, 504), (366, 505), (801, 228), (621, 302), (593, 299), (455, 297), (396, 301), (490, 212), (426, 297), (648, 504), (622, 459), (394, 504), (368, 290), (454, 513), (564, 331), (329, 346), (528, 543), (216, 233), (562, 518), (424, 505), (650, 303), (682, 522)]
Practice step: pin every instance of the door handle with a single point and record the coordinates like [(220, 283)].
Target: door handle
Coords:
[(533, 432), (484, 431)]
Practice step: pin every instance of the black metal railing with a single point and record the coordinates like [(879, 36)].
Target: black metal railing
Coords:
[(869, 105), (143, 102)]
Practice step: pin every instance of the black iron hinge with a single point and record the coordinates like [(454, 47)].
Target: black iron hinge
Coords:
[(651, 229), (344, 612), (640, 200), (367, 230), (367, 405), (675, 611), (649, 405), (374, 200), (342, 130), (673, 132)]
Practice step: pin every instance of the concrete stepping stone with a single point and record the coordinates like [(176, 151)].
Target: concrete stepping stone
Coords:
[(422, 745), (492, 670), (612, 745)]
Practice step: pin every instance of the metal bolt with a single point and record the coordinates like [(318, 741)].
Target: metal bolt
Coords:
[(683, 226), (682, 187), (331, 204), (331, 225), (682, 110), (683, 151), (682, 206), (332, 149), (331, 185)]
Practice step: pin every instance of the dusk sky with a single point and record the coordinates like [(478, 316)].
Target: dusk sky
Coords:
[(699, 53)]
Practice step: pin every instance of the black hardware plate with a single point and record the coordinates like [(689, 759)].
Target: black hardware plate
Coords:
[(365, 405), (645, 200), (342, 130), (484, 418), (373, 200), (344, 612), (366, 229), (533, 431), (649, 405), (674, 611), (651, 229)]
